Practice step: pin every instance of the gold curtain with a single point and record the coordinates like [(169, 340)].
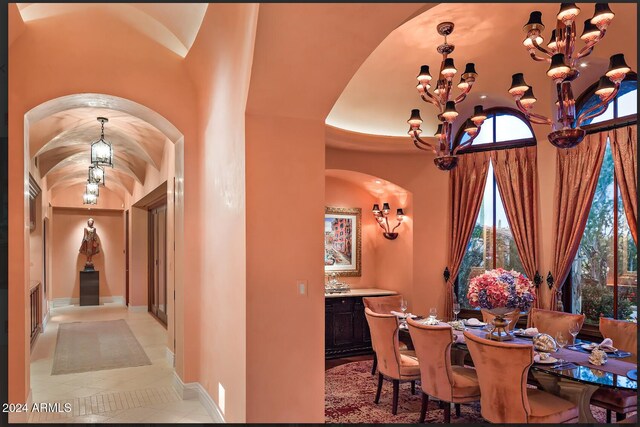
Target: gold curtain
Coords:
[(466, 188), (516, 174), (624, 146), (577, 171)]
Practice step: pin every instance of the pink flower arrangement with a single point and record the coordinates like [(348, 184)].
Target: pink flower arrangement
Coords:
[(500, 288)]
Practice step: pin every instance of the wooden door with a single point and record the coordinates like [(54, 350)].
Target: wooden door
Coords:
[(158, 262)]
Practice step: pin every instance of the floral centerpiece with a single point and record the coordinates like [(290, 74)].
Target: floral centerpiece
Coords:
[(501, 291)]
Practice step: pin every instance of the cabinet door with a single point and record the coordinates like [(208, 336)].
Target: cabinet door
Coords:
[(343, 331)]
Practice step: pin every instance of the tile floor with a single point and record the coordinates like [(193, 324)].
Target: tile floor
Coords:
[(141, 394)]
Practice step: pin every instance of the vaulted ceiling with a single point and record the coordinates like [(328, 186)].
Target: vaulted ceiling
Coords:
[(379, 97)]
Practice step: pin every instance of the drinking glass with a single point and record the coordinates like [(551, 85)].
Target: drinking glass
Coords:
[(574, 330), (433, 312), (403, 306), (456, 310), (561, 341)]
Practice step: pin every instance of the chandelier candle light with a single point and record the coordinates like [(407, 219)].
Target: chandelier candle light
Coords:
[(96, 175), (89, 199), (562, 56), (442, 98), (381, 217)]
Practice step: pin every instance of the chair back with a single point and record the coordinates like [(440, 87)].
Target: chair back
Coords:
[(551, 322), (514, 316), (502, 370), (383, 305), (432, 344), (384, 337), (624, 335)]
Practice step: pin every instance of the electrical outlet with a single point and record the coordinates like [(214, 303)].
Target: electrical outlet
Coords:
[(302, 287)]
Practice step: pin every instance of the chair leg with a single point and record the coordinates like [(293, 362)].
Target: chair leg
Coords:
[(608, 416), (447, 413), (380, 379), (457, 406), (620, 416), (413, 387), (375, 364), (424, 407), (396, 391)]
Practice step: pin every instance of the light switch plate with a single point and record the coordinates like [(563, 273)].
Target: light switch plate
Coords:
[(302, 287)]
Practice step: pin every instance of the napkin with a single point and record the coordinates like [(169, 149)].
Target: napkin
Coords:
[(607, 344), (473, 321), (399, 314), (537, 357), (531, 332)]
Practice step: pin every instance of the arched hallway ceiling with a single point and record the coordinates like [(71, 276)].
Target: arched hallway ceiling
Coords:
[(61, 142), (173, 25), (381, 94)]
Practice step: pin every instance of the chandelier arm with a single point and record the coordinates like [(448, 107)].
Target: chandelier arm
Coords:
[(561, 110), (431, 99), (535, 57), (468, 142), (541, 48), (571, 36), (586, 115), (463, 95), (533, 117), (415, 142), (588, 48), (380, 224), (386, 221), (397, 225)]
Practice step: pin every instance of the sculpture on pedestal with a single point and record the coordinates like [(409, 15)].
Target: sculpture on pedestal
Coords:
[(90, 244)]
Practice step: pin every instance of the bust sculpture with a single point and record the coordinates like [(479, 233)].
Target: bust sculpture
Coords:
[(90, 244)]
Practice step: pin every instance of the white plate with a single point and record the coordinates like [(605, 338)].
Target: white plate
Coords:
[(590, 347), (548, 361), (474, 325)]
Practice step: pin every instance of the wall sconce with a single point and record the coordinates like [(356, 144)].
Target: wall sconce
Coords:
[(383, 221)]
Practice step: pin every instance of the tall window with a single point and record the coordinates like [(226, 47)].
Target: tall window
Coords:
[(491, 244), (604, 278)]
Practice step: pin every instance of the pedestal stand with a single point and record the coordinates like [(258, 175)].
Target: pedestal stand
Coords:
[(89, 286)]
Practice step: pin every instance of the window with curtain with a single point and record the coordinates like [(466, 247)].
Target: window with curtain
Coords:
[(491, 244), (604, 278)]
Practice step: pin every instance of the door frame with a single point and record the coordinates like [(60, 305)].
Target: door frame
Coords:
[(159, 202), (126, 257)]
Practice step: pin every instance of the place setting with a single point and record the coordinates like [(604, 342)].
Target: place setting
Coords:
[(605, 346)]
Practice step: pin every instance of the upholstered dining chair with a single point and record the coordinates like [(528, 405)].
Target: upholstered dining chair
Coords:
[(392, 365), (502, 369), (513, 317), (625, 337), (551, 322), (438, 378), (384, 305)]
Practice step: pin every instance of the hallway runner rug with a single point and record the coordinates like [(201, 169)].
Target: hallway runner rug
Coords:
[(349, 393), (96, 346)]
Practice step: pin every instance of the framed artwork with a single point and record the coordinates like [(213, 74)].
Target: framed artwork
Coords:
[(342, 241)]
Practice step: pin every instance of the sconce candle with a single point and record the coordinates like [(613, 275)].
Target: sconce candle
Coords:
[(383, 221)]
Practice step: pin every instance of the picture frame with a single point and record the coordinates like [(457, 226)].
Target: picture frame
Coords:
[(343, 243)]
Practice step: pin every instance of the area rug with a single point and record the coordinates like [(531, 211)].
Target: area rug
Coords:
[(350, 390), (96, 346)]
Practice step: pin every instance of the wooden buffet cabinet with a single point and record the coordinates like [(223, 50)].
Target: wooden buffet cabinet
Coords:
[(346, 330)]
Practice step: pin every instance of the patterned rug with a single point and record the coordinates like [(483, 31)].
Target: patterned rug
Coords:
[(94, 346), (350, 390)]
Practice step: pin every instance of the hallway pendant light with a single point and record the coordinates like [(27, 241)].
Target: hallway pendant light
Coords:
[(89, 199), (96, 175), (101, 150), (443, 100), (563, 57), (92, 189)]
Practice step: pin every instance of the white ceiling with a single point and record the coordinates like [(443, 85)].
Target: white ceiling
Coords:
[(380, 96)]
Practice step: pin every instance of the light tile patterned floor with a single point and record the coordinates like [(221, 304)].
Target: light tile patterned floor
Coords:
[(142, 394)]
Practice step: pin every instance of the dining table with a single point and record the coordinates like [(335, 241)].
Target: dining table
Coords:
[(574, 379)]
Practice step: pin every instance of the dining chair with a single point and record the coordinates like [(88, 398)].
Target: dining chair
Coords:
[(502, 369), (392, 365), (384, 305), (625, 337), (551, 322), (438, 377), (514, 316)]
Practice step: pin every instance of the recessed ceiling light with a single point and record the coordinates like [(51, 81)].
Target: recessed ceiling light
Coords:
[(583, 65), (378, 181), (483, 96)]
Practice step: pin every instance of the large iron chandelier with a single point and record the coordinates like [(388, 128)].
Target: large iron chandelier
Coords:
[(442, 98), (562, 56), (101, 151)]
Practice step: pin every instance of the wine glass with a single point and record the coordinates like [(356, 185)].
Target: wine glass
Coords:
[(561, 341), (456, 310), (574, 330), (403, 307), (433, 312)]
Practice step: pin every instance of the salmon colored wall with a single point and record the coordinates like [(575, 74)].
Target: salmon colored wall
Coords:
[(220, 65), (386, 264), (428, 217), (41, 68), (67, 227)]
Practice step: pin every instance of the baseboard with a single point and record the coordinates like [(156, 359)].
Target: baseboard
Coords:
[(63, 302), (138, 308), (192, 391), (45, 321), (171, 359)]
